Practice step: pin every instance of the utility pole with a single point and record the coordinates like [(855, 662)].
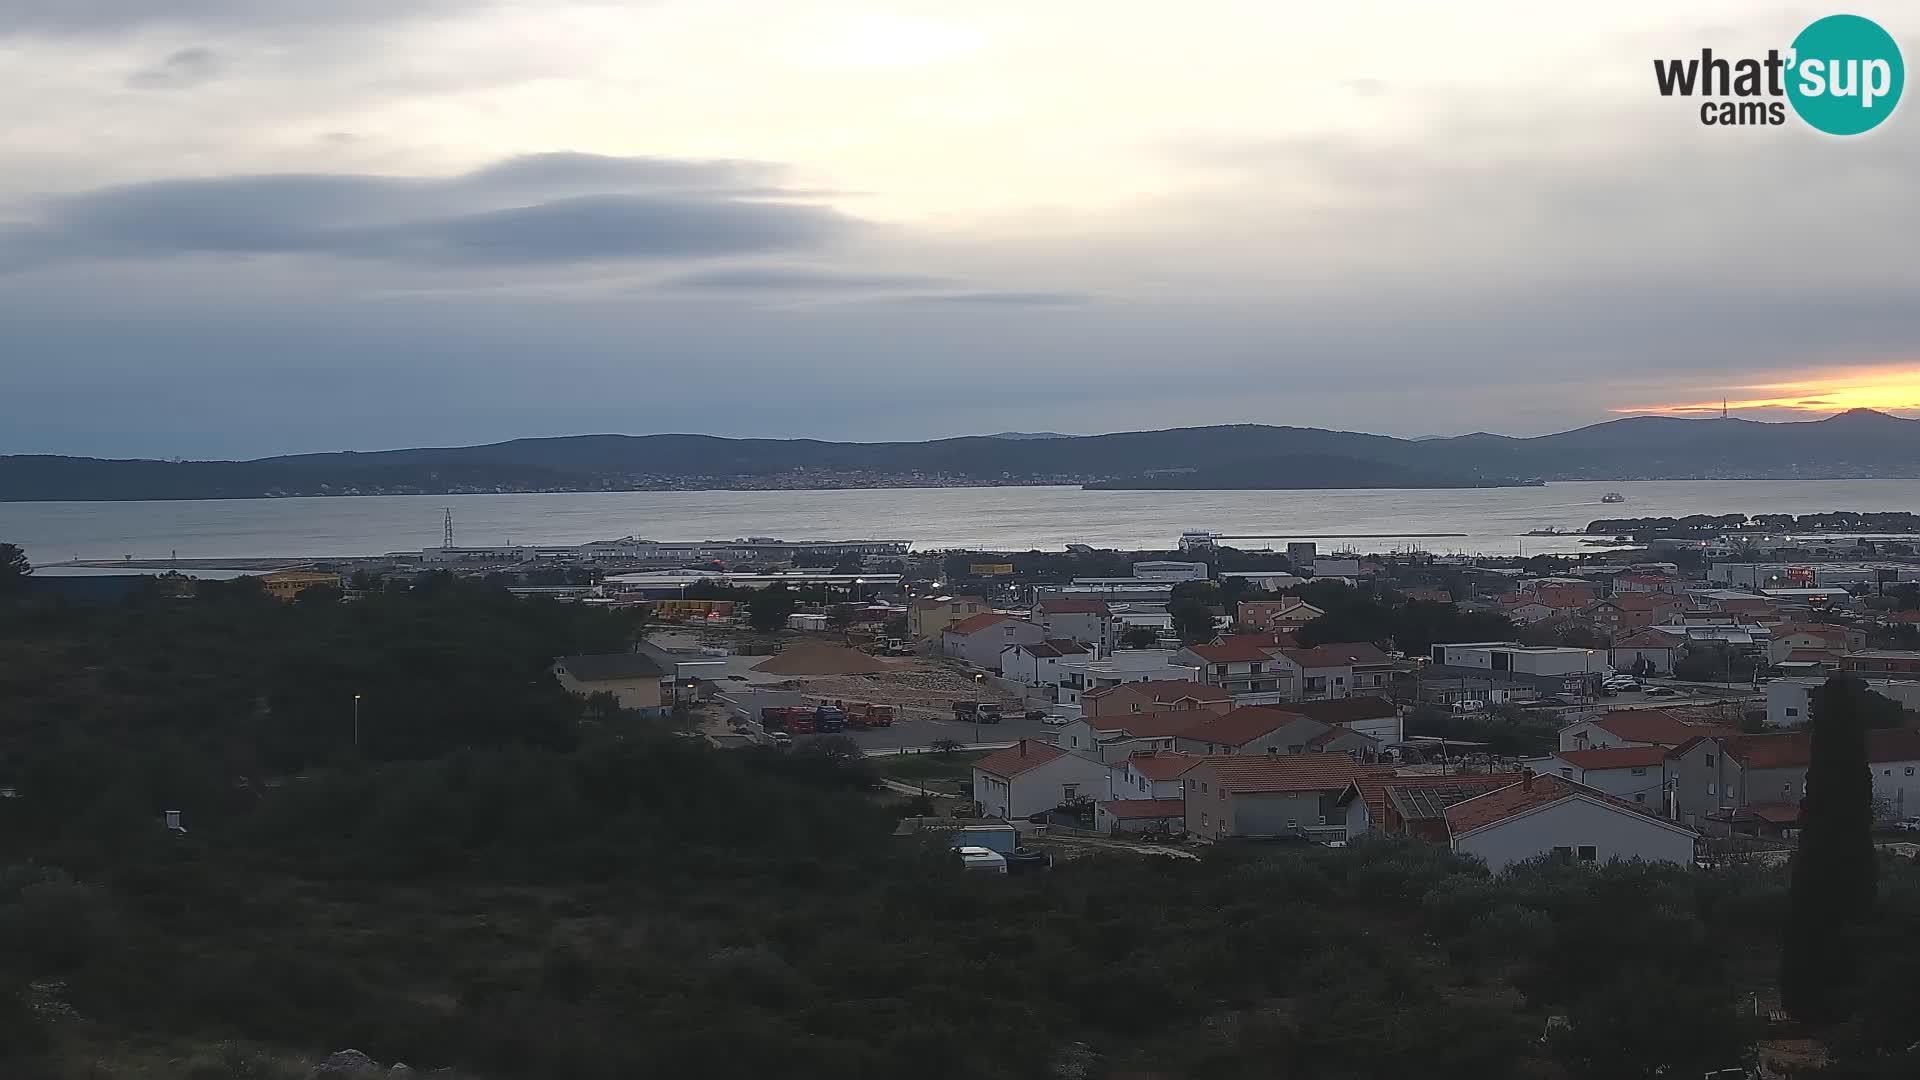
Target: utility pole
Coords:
[(356, 723)]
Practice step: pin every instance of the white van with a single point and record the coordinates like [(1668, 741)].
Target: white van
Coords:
[(982, 860), (1470, 705)]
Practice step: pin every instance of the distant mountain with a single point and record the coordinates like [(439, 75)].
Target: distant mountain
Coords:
[(1861, 443), (1293, 472)]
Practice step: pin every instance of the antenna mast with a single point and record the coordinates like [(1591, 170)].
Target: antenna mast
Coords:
[(447, 540)]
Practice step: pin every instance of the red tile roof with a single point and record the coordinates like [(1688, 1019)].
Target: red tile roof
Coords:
[(1164, 723), (1657, 727), (1531, 794), (1643, 601), (1646, 639), (1311, 772), (1145, 809), (1340, 654), (1794, 749), (1019, 758), (1164, 765), (1624, 757), (1243, 725), (1164, 691), (1778, 813), (1237, 649), (1438, 790), (1343, 710), (977, 623)]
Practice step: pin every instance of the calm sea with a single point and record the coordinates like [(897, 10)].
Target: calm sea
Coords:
[(1493, 520)]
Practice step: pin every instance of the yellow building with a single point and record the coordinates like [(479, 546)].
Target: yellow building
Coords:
[(692, 609), (287, 584), (632, 679), (929, 616)]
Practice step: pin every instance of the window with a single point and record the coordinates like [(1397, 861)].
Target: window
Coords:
[(1568, 773), (1786, 788), (1709, 761), (1589, 853), (1639, 772), (1639, 796), (1273, 751), (1203, 787), (1221, 794), (1563, 853), (1069, 790), (1909, 770), (1203, 818), (1711, 790), (1792, 711)]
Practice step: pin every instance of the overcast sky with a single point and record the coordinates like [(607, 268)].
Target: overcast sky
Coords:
[(240, 227)]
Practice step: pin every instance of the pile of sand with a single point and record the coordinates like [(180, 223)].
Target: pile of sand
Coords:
[(819, 658)]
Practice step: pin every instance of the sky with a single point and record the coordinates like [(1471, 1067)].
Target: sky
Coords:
[(233, 228)]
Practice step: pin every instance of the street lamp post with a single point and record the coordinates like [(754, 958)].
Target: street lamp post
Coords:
[(978, 685), (356, 723)]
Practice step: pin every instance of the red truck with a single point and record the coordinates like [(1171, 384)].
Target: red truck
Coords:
[(862, 715), (793, 721)]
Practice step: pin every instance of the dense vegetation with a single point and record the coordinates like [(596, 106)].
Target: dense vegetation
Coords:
[(496, 885)]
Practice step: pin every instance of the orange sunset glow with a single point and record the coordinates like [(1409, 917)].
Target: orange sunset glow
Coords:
[(1893, 388)]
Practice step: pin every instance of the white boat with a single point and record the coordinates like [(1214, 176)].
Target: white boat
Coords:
[(1613, 497)]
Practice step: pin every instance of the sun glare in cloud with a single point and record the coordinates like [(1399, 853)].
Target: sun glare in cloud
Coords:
[(1894, 388)]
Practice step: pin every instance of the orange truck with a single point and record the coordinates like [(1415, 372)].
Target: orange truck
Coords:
[(862, 715)]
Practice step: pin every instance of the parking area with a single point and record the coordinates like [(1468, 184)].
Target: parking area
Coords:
[(912, 732)]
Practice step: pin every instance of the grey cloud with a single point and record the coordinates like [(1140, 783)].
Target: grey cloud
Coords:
[(797, 279), (182, 70), (584, 208), (1002, 299), (71, 17)]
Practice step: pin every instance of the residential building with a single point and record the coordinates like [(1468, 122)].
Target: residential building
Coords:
[(1271, 796), (1089, 622), (1649, 583), (1084, 674), (287, 584), (1624, 613), (1637, 774), (1337, 670), (1645, 652), (1885, 663), (1271, 730), (928, 616), (1375, 717), (1285, 615), (1563, 594), (1029, 777), (1826, 639), (632, 678), (1754, 783), (1411, 805), (1636, 727), (1148, 775), (1038, 664), (1789, 701), (1135, 698), (1116, 738), (1241, 665), (1551, 815), (979, 641)]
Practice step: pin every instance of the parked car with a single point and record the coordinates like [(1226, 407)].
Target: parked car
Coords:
[(1055, 720), (1908, 825), (1662, 691)]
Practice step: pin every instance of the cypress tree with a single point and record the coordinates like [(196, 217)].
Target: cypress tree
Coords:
[(1833, 870)]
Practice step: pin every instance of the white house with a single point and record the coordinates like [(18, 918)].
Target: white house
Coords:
[(1634, 727), (1789, 700), (979, 641), (1151, 775), (1332, 671), (1637, 774), (1089, 622), (1038, 664), (1551, 815), (1651, 647), (1029, 777), (1111, 739)]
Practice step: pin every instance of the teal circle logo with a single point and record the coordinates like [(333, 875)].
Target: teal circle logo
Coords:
[(1846, 75)]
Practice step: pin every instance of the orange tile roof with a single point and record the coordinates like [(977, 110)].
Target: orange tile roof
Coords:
[(1656, 726), (1530, 794), (1343, 710), (1019, 758), (975, 624), (1164, 691), (1310, 772), (1243, 725), (1161, 724), (1145, 809), (1622, 757), (1375, 790)]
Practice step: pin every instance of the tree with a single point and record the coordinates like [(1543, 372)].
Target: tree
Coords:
[(1139, 637), (840, 617), (768, 609), (14, 569), (1192, 620), (1833, 870)]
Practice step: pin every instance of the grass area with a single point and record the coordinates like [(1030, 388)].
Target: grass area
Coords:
[(928, 768)]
